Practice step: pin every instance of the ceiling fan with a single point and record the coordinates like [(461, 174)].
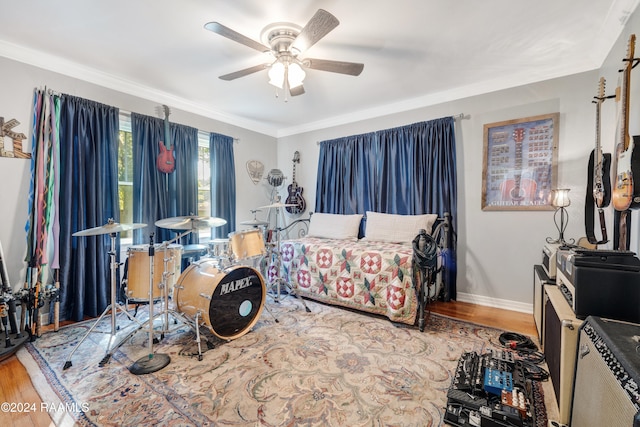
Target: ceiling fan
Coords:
[(286, 42)]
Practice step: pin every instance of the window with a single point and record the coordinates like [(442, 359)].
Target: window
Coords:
[(125, 180)]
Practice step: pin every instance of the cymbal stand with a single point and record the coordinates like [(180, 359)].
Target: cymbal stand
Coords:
[(279, 281), (114, 307)]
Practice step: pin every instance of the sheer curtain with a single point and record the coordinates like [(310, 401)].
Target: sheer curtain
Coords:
[(88, 198), (223, 183), (158, 195), (406, 170)]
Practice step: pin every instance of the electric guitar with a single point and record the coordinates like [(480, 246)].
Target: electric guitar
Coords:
[(295, 191), (166, 162), (518, 189), (600, 180), (623, 188)]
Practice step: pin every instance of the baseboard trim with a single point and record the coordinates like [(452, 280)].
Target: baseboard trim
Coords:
[(495, 302)]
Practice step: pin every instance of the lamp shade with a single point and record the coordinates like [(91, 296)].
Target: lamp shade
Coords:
[(296, 75), (276, 74), (560, 198)]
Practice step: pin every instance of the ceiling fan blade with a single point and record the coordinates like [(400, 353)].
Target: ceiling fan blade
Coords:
[(227, 32), (298, 90), (318, 26), (351, 68), (245, 72)]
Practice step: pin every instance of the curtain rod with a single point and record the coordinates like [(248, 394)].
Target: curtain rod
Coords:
[(460, 116)]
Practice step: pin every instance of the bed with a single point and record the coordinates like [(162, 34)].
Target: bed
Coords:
[(373, 273)]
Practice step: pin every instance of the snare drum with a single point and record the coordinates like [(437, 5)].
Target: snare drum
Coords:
[(246, 244), (138, 270), (229, 302)]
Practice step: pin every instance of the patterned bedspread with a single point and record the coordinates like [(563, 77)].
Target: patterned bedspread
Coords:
[(370, 276)]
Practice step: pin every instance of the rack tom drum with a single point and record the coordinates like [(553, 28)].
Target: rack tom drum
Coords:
[(229, 302), (247, 244)]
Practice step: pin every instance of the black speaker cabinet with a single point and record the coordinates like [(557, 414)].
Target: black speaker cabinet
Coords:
[(560, 344), (607, 374), (540, 280)]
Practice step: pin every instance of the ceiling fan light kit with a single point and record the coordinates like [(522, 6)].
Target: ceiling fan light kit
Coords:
[(286, 42)]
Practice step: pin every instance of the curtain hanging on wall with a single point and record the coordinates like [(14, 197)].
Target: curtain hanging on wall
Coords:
[(88, 199), (407, 170), (223, 183), (158, 195)]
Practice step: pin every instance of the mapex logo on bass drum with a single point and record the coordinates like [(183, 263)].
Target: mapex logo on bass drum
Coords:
[(236, 285)]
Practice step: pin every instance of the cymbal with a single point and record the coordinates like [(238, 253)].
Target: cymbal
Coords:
[(254, 222), (277, 205), (190, 222), (108, 228)]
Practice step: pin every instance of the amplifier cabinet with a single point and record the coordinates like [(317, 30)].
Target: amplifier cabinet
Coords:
[(561, 328), (540, 280), (607, 375)]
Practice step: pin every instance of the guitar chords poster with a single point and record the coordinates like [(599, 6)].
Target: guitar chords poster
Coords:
[(520, 163)]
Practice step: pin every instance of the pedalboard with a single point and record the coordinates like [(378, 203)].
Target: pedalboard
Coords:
[(491, 390)]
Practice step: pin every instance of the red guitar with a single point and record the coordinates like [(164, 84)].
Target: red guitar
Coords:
[(518, 189), (295, 191), (166, 162)]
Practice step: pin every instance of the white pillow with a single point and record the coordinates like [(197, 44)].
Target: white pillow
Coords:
[(393, 228), (334, 226)]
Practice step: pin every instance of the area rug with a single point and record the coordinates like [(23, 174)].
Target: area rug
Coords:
[(329, 367)]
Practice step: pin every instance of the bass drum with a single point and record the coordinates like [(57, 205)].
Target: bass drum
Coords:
[(229, 302)]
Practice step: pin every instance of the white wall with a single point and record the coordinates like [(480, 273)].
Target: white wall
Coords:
[(497, 250), (20, 80)]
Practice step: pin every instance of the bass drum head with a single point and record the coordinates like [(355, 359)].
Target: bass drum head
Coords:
[(229, 302), (237, 302)]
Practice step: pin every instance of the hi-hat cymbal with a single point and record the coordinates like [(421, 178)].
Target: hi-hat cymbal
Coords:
[(108, 228), (190, 222), (255, 223), (277, 205)]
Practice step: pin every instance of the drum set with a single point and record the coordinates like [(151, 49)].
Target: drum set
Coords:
[(223, 291)]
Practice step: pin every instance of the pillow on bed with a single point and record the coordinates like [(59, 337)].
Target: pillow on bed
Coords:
[(382, 227), (334, 226)]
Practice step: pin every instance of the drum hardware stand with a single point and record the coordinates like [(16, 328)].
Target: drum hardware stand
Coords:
[(152, 362), (279, 280), (114, 307)]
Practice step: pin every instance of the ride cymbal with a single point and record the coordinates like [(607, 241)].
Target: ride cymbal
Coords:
[(277, 205), (190, 222), (255, 223)]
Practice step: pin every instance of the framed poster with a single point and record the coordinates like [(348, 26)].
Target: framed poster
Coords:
[(520, 160)]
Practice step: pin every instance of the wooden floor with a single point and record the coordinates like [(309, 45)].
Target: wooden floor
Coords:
[(16, 386)]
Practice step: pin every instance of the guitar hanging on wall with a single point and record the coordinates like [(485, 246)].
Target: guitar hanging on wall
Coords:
[(599, 179), (295, 191), (626, 193), (166, 161)]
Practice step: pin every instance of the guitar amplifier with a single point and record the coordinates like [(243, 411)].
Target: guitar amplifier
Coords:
[(607, 374), (549, 258), (560, 346), (540, 280)]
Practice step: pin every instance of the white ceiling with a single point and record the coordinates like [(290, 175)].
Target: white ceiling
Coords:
[(416, 52)]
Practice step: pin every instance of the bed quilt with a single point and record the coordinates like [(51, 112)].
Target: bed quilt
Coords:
[(370, 276)]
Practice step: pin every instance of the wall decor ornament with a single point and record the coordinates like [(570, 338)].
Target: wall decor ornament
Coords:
[(16, 138), (255, 169), (520, 159)]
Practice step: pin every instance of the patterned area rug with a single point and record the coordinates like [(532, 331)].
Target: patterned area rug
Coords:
[(330, 367)]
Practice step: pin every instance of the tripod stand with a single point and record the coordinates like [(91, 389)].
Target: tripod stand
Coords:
[(279, 282), (112, 228)]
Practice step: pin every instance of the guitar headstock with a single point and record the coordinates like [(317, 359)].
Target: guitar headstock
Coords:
[(601, 85), (296, 157), (166, 111), (518, 134)]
